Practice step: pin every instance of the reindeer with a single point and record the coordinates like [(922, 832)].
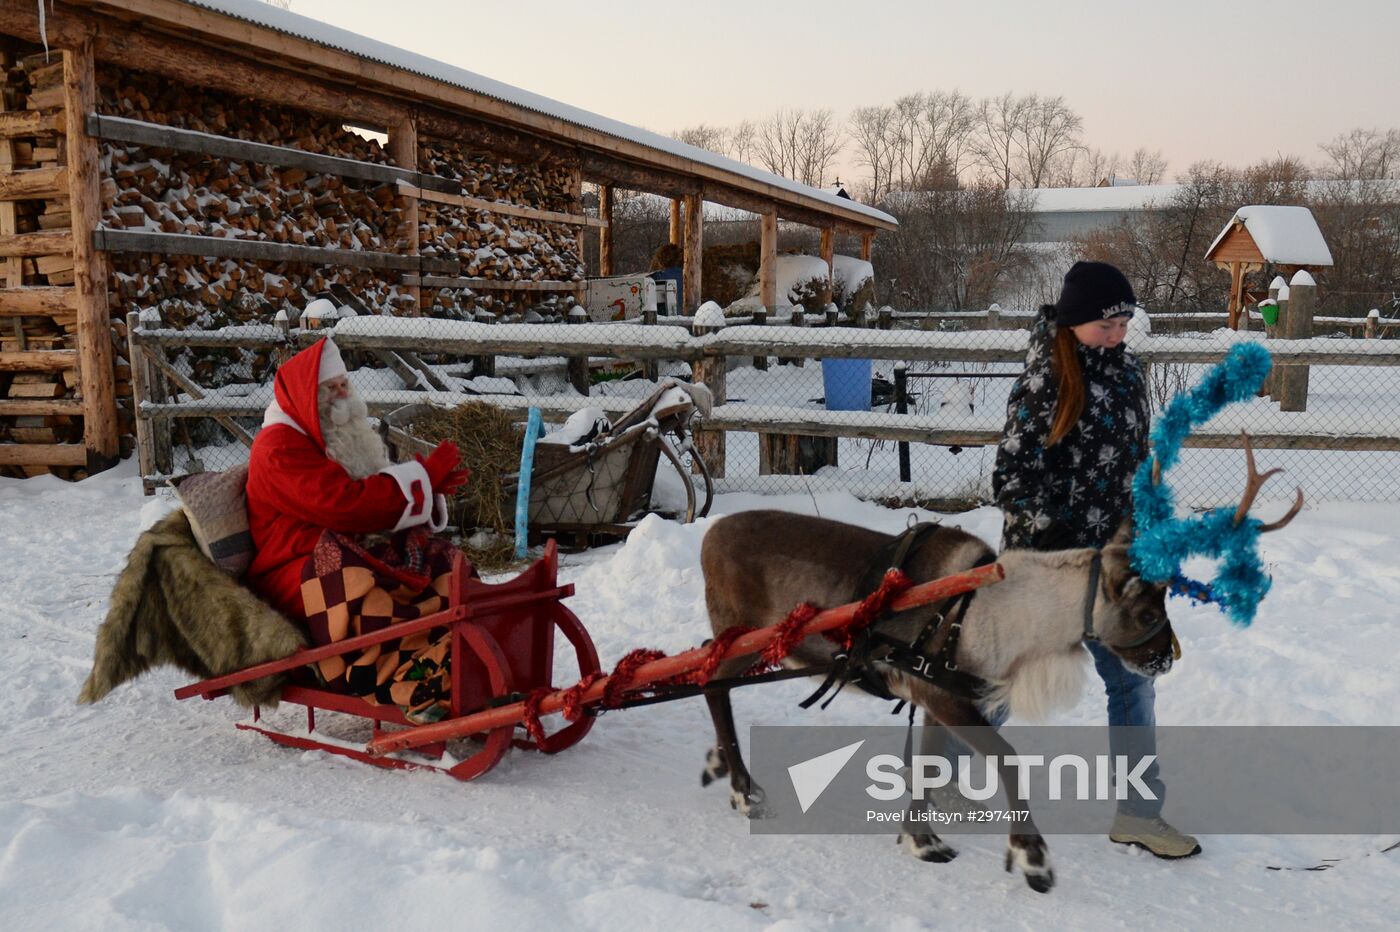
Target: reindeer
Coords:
[(1023, 636)]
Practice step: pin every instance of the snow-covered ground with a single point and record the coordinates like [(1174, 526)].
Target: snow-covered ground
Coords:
[(144, 813)]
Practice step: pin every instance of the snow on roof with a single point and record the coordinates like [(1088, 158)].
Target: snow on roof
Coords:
[(265, 14), (1115, 197), (1285, 235)]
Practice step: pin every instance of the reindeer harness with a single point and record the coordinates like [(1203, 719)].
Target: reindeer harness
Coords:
[(937, 667)]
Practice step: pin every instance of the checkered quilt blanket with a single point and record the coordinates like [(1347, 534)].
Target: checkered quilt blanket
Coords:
[(349, 589)]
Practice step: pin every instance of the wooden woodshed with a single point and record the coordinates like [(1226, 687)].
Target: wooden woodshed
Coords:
[(221, 160)]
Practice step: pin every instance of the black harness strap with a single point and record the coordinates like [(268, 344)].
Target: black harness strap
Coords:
[(1095, 568)]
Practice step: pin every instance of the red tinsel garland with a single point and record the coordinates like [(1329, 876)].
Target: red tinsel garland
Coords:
[(573, 696), (530, 715), (788, 633), (626, 671), (718, 648)]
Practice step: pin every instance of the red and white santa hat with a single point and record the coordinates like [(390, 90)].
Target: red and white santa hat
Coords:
[(332, 366)]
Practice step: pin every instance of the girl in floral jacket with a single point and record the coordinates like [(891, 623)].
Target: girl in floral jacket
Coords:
[(1076, 429)]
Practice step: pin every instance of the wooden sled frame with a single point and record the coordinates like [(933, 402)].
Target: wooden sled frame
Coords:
[(502, 648)]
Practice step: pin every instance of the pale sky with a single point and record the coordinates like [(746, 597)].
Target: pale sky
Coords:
[(1231, 81)]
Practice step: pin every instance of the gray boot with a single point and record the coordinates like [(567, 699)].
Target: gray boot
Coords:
[(1153, 834)]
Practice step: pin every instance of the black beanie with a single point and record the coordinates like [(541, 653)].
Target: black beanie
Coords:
[(1093, 291)]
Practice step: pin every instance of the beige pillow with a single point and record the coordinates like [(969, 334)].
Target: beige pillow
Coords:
[(217, 506)]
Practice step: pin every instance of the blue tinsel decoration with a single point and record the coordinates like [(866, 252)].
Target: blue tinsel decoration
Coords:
[(1161, 540)]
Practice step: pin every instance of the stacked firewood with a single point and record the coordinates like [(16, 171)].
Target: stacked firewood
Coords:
[(34, 81), (495, 246), (160, 190)]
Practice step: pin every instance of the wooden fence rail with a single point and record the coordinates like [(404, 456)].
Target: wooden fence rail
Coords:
[(643, 342)]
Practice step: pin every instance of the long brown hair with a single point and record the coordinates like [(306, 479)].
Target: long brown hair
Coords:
[(1069, 377)]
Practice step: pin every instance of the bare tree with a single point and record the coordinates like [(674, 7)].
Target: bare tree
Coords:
[(873, 132), (799, 144), (1147, 167), (821, 143), (1046, 129), (742, 140), (999, 120), (1068, 169), (1364, 155), (949, 120), (954, 249), (1100, 167), (704, 136)]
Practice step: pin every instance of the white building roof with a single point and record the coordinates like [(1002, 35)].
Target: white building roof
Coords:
[(1285, 235), (1115, 197), (264, 14)]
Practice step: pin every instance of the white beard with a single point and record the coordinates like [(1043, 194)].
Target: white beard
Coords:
[(350, 440)]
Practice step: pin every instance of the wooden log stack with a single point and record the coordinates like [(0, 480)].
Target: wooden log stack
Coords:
[(40, 405), (145, 187), (490, 245)]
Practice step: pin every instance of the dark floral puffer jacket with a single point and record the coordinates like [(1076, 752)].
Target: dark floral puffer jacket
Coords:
[(1075, 493)]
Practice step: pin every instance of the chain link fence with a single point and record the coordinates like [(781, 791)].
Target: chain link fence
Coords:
[(906, 409)]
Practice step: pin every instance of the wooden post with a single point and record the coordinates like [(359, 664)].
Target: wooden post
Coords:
[(403, 149), (145, 451), (1373, 324), (651, 368), (711, 371), (484, 365), (578, 365), (674, 236), (885, 318), (1297, 325), (901, 406), (828, 253), (760, 318), (95, 374), (1236, 293), (994, 317), (768, 260), (798, 320), (157, 390), (13, 266), (605, 235), (693, 250), (866, 241), (283, 322)]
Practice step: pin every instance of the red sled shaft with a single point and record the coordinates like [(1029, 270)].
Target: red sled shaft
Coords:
[(751, 643)]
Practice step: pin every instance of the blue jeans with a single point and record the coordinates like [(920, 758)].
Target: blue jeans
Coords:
[(1131, 701)]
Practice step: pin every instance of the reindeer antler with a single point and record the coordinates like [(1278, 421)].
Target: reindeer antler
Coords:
[(1253, 483)]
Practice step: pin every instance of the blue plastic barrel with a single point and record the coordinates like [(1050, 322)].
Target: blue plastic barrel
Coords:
[(847, 384)]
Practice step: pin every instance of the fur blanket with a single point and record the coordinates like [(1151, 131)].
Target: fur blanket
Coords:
[(171, 605)]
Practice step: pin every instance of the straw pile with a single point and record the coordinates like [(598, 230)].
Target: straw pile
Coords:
[(490, 442)]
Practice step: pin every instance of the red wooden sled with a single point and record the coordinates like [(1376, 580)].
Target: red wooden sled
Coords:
[(502, 647), (502, 652)]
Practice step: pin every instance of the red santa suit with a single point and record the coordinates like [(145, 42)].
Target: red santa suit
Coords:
[(296, 492)]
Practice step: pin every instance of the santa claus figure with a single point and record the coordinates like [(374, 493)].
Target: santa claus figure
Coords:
[(317, 465)]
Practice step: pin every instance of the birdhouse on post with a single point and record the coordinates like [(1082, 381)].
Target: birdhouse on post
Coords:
[(1285, 237)]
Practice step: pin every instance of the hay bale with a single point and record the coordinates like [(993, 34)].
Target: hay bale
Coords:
[(727, 271), (490, 441), (669, 256)]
